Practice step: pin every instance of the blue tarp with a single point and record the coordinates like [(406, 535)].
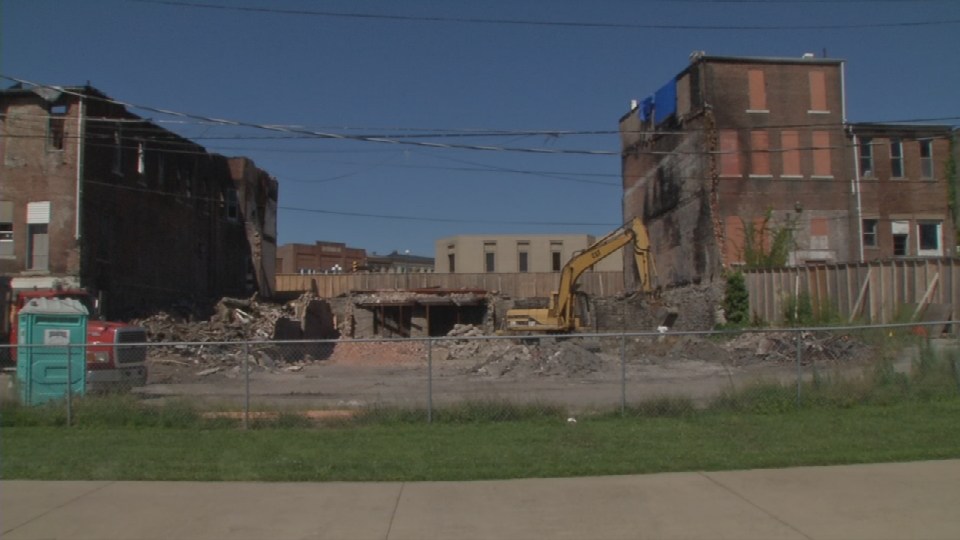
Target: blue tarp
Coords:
[(665, 101), (646, 109)]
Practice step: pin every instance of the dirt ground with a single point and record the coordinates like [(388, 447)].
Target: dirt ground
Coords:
[(577, 373)]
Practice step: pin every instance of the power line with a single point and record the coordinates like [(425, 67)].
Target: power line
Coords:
[(322, 135), (446, 220), (554, 24), (145, 126)]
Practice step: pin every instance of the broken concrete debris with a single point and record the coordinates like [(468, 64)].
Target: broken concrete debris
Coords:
[(213, 347)]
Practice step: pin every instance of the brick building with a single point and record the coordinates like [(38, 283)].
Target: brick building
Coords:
[(901, 191), (320, 257), (731, 145), (95, 195), (400, 263)]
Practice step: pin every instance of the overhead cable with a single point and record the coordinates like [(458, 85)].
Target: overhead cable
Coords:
[(541, 23)]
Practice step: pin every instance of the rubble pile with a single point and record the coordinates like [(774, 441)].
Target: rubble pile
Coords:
[(782, 347), (565, 359), (234, 320)]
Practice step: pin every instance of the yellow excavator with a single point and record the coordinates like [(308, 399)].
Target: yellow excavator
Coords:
[(560, 316)]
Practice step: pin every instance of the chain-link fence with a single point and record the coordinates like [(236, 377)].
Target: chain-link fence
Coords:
[(497, 377)]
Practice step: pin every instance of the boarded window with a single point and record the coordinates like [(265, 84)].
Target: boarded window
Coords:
[(821, 154), (760, 153), (790, 143), (729, 153), (818, 91), (733, 240), (757, 90), (819, 233)]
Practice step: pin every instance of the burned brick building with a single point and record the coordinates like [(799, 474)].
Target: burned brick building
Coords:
[(732, 150), (96, 196)]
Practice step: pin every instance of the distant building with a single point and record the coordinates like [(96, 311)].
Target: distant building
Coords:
[(320, 257), (399, 263), (515, 253), (96, 195), (732, 144)]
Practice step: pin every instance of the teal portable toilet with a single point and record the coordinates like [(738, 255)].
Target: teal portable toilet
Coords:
[(52, 332)]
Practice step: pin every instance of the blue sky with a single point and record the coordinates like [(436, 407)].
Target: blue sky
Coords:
[(431, 69)]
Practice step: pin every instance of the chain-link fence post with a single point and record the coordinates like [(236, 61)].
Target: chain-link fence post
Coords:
[(623, 374), (429, 381), (799, 338), (69, 385), (246, 385)]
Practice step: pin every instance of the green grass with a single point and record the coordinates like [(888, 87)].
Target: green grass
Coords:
[(880, 415), (544, 447)]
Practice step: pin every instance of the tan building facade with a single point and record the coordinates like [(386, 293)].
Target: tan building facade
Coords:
[(515, 253)]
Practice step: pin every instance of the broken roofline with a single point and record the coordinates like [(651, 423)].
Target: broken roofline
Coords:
[(422, 297)]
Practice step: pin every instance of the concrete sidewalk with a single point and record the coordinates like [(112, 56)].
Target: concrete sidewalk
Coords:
[(896, 501)]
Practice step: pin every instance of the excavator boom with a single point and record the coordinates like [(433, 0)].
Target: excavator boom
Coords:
[(560, 316)]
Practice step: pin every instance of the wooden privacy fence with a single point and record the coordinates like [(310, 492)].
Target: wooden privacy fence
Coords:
[(527, 285), (876, 292)]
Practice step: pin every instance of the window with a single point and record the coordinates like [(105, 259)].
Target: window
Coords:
[(38, 239), (790, 143), (757, 90), (6, 229), (821, 154), (118, 151), (161, 172), (523, 249), (928, 234), (819, 233), (141, 161), (901, 237), (866, 156), (556, 249), (818, 92), (870, 227), (489, 257), (55, 127), (896, 158), (232, 205), (926, 159), (759, 153), (452, 261), (729, 153)]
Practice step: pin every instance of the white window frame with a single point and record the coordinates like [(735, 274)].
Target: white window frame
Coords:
[(872, 233), (866, 143), (934, 252), (898, 144), (6, 233)]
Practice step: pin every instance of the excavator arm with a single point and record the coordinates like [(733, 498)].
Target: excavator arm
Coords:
[(560, 316)]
